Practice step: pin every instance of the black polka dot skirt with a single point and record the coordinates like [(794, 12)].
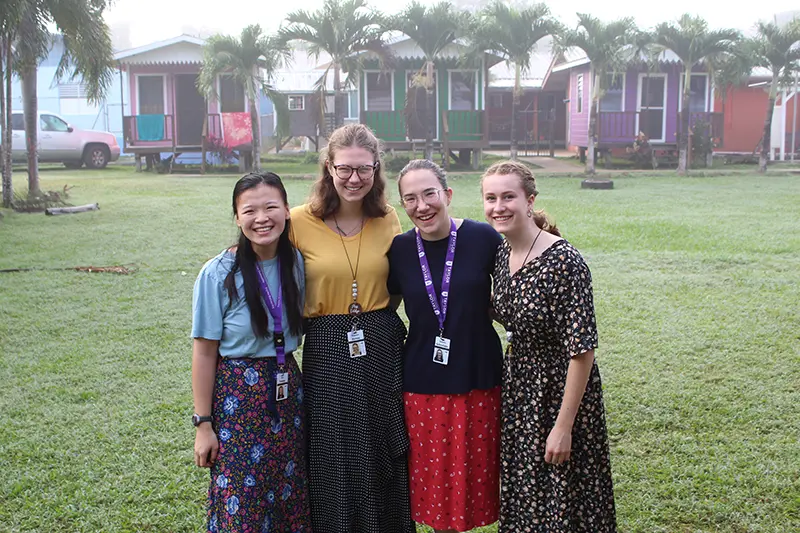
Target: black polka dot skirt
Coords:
[(358, 445)]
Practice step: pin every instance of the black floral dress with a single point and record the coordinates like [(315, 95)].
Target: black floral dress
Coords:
[(548, 307)]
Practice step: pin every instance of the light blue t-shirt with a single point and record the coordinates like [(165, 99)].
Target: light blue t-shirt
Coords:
[(213, 319)]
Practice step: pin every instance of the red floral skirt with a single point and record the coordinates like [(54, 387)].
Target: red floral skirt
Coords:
[(454, 461)]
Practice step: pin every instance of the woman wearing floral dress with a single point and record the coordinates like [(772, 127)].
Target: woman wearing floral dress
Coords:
[(555, 472), (248, 394)]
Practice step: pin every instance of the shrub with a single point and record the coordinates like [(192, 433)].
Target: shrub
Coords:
[(311, 158), (396, 163)]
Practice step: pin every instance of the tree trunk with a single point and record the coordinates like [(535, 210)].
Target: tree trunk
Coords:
[(4, 125), (256, 132), (514, 103), (429, 94), (7, 169), (592, 140), (30, 105), (513, 133), (338, 118), (766, 139), (592, 134), (683, 130)]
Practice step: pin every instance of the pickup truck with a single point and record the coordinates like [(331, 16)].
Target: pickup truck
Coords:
[(61, 143)]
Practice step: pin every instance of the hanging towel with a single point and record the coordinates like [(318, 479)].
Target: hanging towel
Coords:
[(150, 127), (237, 129)]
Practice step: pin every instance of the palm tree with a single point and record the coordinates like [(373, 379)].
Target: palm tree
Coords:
[(778, 49), (251, 60), (610, 47), (344, 30), (513, 34), (692, 41), (433, 29), (8, 24), (88, 54)]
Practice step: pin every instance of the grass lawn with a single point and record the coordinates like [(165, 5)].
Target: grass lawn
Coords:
[(697, 284)]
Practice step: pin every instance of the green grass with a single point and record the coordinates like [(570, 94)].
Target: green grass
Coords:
[(697, 283)]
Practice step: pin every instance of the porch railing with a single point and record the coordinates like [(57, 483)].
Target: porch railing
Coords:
[(387, 125), (624, 126), (463, 126), (148, 130)]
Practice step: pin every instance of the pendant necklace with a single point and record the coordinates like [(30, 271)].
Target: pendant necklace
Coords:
[(355, 307)]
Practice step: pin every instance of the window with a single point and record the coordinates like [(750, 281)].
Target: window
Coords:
[(151, 95), (379, 91), (462, 91), (51, 123), (698, 93), (231, 95), (72, 90), (297, 103), (496, 101), (580, 93), (17, 122), (72, 100), (613, 98)]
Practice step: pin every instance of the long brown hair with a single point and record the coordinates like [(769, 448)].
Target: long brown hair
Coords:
[(324, 200), (528, 183)]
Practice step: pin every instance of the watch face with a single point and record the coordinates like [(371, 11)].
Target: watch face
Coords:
[(195, 419)]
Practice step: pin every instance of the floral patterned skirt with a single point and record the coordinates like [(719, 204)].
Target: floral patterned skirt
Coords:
[(454, 462), (258, 482)]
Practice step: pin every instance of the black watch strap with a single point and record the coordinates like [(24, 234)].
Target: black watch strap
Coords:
[(197, 419)]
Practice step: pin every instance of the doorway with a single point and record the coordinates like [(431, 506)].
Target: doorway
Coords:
[(190, 108)]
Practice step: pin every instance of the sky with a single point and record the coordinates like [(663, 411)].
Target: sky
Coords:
[(140, 22)]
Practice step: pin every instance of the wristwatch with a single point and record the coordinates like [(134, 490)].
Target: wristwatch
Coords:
[(197, 419)]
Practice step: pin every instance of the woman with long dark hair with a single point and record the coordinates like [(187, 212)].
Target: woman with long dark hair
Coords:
[(248, 395), (358, 470)]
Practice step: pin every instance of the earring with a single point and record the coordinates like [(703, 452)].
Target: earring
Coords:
[(530, 213)]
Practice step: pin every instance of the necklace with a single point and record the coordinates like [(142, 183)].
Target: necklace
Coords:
[(343, 232), (530, 249), (355, 307)]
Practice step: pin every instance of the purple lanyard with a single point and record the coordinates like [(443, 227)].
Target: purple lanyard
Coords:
[(274, 307), (439, 311)]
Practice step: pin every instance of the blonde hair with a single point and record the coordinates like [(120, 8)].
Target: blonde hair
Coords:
[(528, 184)]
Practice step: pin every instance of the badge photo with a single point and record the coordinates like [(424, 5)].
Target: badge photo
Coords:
[(356, 345), (281, 392), (441, 350)]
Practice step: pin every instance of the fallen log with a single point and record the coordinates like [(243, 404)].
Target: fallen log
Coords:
[(70, 210)]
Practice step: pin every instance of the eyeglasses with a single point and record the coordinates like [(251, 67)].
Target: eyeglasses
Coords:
[(365, 172), (429, 196)]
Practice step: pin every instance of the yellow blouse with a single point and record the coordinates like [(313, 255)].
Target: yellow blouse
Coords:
[(329, 281)]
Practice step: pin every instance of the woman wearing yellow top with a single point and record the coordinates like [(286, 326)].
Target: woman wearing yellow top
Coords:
[(352, 374)]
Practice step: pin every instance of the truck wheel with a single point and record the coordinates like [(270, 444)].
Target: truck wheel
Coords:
[(96, 156)]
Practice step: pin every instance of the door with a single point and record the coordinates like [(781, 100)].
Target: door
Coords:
[(652, 106), (57, 142), (419, 114), (190, 108), (18, 137)]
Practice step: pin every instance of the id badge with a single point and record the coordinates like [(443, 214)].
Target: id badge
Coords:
[(281, 378), (355, 343), (441, 350), (281, 391)]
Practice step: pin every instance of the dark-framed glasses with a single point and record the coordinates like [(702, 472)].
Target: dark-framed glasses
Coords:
[(364, 172), (429, 196)]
